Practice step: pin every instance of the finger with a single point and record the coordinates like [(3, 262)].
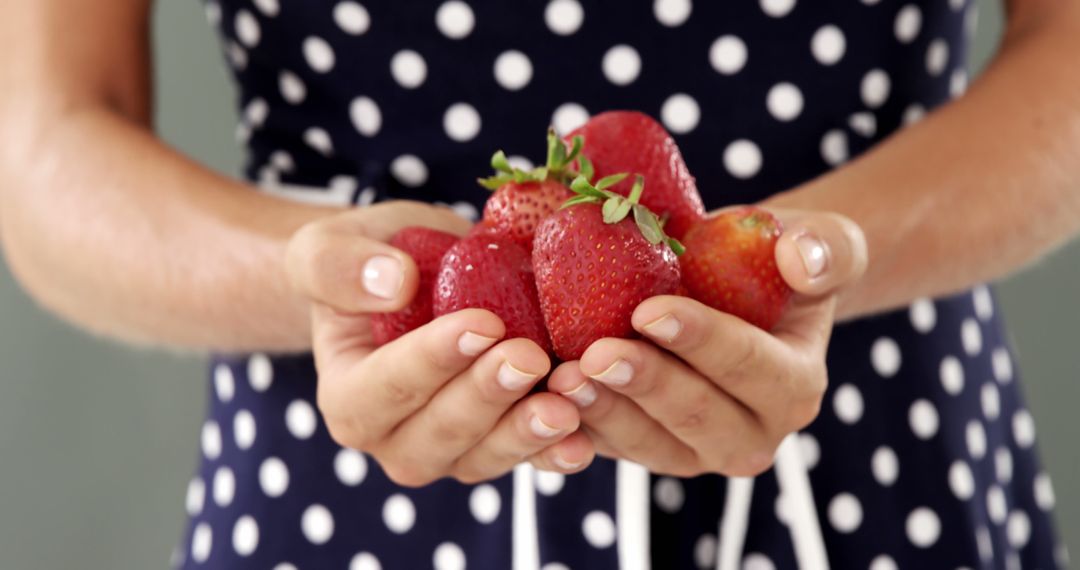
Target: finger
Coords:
[(820, 252), (571, 455), (372, 395), (631, 432), (531, 425), (464, 411)]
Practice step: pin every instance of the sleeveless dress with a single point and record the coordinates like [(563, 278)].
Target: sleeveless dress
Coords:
[(924, 453)]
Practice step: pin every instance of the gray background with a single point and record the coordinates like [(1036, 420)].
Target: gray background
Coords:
[(97, 442)]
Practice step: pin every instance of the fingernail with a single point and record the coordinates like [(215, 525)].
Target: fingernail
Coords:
[(513, 379), (619, 373), (583, 395), (814, 255), (564, 464), (471, 344), (541, 429), (383, 276), (666, 328)]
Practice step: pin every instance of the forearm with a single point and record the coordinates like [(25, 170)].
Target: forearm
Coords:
[(978, 189), (114, 231)]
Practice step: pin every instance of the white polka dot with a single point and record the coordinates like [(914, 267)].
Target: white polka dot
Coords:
[(256, 112), (885, 357), (350, 466), (352, 18), (287, 566), (961, 480), (971, 336), (195, 497), (668, 494), (409, 170), (568, 117), (237, 56), (365, 115), (907, 24), (1044, 492), (247, 28), (224, 486), (466, 210), (848, 404), (983, 301), (845, 513), (202, 540), (520, 162), (318, 139), (742, 158), (292, 87), (268, 7), (549, 482), (937, 57), (995, 504), (757, 561), (951, 373), (956, 5), (317, 524), (485, 503), (914, 113), (975, 436), (318, 54), (680, 113), (811, 451), (300, 419), (448, 556), (782, 509), (621, 64), (1001, 363), (923, 527), (875, 88), (366, 197), (598, 529), (211, 440), (834, 147), (923, 418), (564, 17), (1003, 465), (213, 13), (554, 566), (784, 101), (343, 184), (991, 401), (243, 133), (1023, 429), (399, 514), (728, 54), (364, 561), (984, 543), (224, 384), (958, 82), (777, 8), (672, 13), (864, 123), (885, 465), (408, 68), (245, 536), (273, 477), (705, 551), (923, 315), (883, 562), (828, 44), (513, 70), (461, 122), (455, 19), (244, 429)]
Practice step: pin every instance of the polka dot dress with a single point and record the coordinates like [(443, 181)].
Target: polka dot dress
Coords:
[(924, 454)]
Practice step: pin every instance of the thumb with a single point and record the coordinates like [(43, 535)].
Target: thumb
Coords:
[(820, 253)]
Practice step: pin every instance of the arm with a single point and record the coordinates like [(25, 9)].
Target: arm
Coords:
[(977, 190)]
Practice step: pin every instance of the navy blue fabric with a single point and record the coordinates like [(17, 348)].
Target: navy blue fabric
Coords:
[(923, 455)]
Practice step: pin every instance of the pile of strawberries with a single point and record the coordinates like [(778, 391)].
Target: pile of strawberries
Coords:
[(566, 251)]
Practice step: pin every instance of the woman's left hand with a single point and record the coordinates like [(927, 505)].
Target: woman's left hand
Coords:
[(712, 393)]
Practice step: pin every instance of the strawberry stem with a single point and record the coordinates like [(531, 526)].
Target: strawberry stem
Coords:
[(616, 207), (557, 166)]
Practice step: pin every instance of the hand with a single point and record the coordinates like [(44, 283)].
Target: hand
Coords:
[(712, 393), (447, 399)]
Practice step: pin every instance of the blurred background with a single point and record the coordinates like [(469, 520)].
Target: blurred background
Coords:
[(97, 441)]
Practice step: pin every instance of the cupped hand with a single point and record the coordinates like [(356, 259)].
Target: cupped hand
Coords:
[(711, 393), (449, 399)]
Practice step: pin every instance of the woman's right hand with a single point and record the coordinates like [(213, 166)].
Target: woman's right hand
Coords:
[(445, 400)]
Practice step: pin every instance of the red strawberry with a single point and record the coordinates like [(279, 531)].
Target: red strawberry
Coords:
[(490, 272), (730, 265), (594, 264), (427, 247), (628, 141)]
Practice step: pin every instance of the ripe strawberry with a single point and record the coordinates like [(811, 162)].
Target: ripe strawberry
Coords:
[(628, 141), (491, 272), (426, 246), (730, 265), (594, 265)]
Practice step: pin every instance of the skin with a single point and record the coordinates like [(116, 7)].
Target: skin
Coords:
[(109, 228)]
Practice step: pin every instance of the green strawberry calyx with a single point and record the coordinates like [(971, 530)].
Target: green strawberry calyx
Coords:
[(558, 167), (616, 207)]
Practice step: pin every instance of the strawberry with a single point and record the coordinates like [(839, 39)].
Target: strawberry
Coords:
[(491, 272), (523, 198), (427, 247), (594, 264), (628, 141), (730, 265)]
